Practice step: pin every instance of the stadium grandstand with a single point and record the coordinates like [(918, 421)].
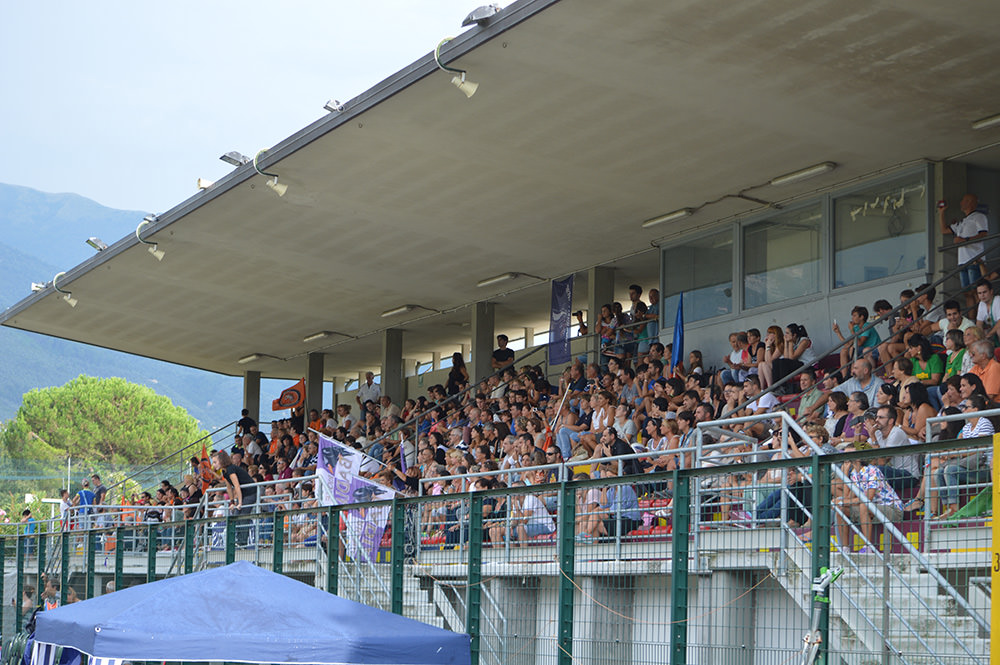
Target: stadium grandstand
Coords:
[(621, 303)]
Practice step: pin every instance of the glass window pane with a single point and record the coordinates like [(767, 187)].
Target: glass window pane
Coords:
[(702, 269), (781, 257), (881, 231)]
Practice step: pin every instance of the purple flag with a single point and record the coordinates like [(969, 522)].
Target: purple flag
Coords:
[(560, 319)]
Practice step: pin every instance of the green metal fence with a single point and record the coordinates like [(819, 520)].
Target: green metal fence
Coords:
[(578, 572)]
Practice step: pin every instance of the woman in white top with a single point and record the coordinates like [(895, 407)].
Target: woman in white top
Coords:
[(624, 424), (968, 468)]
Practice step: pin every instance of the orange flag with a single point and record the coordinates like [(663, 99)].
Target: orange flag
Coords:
[(291, 397)]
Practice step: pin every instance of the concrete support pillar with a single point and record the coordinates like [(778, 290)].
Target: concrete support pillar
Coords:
[(314, 382), (393, 383), (529, 337), (435, 360), (600, 291), (338, 385), (482, 341), (251, 393)]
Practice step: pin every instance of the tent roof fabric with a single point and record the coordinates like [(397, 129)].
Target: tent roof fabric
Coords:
[(242, 613)]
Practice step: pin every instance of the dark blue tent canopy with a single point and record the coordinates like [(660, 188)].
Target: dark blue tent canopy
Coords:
[(242, 613)]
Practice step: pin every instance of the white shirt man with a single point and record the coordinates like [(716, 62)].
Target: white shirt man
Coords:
[(368, 390), (974, 224), (890, 435), (988, 314), (953, 319)]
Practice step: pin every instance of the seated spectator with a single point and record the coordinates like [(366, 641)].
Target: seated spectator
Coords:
[(928, 367), (836, 413), (853, 430), (968, 468), (954, 344), (758, 404), (866, 338), (988, 311), (738, 360), (986, 368), (771, 349), (900, 471), (863, 379), (917, 409), (812, 401), (798, 351), (868, 479), (531, 518), (618, 504), (953, 320)]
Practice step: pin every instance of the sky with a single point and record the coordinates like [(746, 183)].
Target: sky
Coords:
[(128, 103)]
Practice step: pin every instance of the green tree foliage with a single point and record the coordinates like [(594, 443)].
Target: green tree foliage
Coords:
[(104, 421)]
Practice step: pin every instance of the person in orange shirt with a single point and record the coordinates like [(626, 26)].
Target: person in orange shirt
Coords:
[(986, 367), (314, 420)]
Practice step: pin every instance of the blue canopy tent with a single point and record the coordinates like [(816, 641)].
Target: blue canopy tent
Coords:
[(242, 613)]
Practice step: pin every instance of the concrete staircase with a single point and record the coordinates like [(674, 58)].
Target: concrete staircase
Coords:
[(922, 623), (423, 600)]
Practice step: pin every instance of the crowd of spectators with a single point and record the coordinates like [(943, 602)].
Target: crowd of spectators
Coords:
[(877, 391)]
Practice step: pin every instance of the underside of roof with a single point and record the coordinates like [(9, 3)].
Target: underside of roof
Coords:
[(590, 118)]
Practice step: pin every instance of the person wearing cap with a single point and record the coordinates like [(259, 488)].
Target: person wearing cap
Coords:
[(900, 471)]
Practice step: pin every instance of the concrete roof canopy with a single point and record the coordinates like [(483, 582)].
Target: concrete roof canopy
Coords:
[(590, 118)]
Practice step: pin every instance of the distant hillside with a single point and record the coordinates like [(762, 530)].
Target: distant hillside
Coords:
[(46, 233)]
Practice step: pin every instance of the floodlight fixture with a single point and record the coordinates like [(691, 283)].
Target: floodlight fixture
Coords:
[(97, 243), (669, 217), (459, 81), (37, 286), (67, 295), (481, 15), (235, 158), (986, 123), (334, 106), (154, 248), (272, 183), (804, 174), (203, 183)]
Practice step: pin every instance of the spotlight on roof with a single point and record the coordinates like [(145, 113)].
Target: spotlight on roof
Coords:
[(154, 248), (459, 81), (202, 183), (272, 183), (669, 217), (323, 334), (275, 186), (67, 295), (396, 311), (235, 158), (481, 15), (468, 87), (334, 106), (804, 174), (37, 286), (985, 123), (97, 243)]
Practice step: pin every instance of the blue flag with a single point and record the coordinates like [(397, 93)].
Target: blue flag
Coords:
[(678, 345), (559, 324)]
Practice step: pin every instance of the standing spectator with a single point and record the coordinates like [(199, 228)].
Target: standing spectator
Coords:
[(100, 493), (29, 528), (84, 500), (458, 377), (973, 225), (65, 503), (245, 422), (502, 356), (369, 391)]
